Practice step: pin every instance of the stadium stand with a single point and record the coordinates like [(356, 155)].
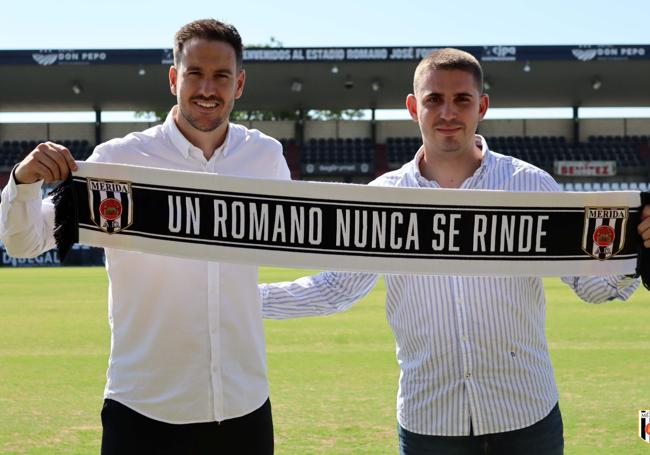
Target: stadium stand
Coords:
[(628, 152), (360, 157), (401, 149), (330, 150), (13, 151)]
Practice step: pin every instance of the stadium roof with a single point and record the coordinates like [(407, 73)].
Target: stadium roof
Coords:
[(326, 78)]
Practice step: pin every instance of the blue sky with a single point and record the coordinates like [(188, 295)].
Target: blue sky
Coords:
[(40, 24), (74, 24)]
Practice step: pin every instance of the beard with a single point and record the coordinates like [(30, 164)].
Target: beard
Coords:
[(451, 143), (206, 125)]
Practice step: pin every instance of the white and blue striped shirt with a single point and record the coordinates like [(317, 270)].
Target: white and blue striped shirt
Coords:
[(468, 347)]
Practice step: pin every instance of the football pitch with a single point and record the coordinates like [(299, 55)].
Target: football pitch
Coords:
[(333, 379)]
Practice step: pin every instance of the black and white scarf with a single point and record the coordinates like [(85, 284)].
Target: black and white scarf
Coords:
[(351, 227)]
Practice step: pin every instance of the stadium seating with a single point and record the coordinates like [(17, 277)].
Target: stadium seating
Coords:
[(631, 153), (402, 149), (13, 151), (339, 150), (605, 186), (628, 152)]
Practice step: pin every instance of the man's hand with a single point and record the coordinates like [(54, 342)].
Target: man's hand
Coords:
[(644, 226), (49, 162)]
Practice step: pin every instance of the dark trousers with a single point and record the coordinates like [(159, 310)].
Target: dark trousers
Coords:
[(127, 432), (542, 438)]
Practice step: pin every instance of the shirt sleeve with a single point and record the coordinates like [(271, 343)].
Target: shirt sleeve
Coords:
[(325, 293), (603, 288), (282, 171), (26, 220), (596, 289)]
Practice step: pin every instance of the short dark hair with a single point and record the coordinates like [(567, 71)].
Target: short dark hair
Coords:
[(449, 59), (211, 30)]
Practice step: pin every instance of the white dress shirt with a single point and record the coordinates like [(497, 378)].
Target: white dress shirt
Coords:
[(187, 339), (467, 347)]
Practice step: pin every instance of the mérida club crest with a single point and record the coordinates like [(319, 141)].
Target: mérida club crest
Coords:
[(604, 231), (111, 204)]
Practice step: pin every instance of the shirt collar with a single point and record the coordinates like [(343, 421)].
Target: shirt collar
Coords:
[(181, 143), (486, 162), (488, 156)]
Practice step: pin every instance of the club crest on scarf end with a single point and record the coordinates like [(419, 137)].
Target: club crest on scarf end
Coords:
[(111, 204)]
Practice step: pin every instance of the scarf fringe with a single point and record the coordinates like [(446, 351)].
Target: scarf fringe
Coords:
[(66, 219)]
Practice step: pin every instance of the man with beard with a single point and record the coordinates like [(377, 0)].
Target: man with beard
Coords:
[(187, 370)]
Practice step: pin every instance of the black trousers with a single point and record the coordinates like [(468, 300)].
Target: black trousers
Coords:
[(127, 432)]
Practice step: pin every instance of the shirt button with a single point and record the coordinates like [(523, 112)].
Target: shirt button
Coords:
[(467, 375)]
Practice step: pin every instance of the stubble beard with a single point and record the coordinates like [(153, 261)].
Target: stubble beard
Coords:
[(451, 144), (203, 127), (446, 144)]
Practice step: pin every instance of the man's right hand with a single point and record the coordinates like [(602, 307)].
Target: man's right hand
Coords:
[(48, 161)]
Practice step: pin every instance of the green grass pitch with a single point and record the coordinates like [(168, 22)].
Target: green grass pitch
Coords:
[(333, 379)]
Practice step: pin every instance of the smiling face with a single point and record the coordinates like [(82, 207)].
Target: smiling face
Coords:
[(206, 82), (448, 106)]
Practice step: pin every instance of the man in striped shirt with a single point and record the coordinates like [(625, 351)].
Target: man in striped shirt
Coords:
[(475, 368)]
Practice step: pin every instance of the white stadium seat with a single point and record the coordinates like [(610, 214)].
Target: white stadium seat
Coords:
[(568, 186), (634, 185), (616, 186), (643, 186), (587, 186), (595, 186), (625, 186), (606, 186), (577, 186)]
